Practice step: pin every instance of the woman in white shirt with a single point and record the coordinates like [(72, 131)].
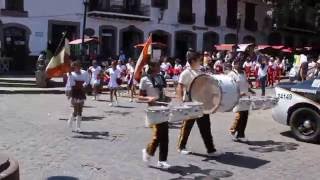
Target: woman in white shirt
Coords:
[(114, 83), (262, 75), (95, 74), (78, 79)]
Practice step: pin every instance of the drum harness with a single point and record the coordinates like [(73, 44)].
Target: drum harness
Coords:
[(160, 83)]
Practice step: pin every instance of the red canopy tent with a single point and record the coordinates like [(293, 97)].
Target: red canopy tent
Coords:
[(225, 47)]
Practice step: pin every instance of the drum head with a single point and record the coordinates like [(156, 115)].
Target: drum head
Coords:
[(205, 89)]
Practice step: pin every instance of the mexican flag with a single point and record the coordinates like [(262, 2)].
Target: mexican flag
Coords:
[(60, 63), (143, 58)]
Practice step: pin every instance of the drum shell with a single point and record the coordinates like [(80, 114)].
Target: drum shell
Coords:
[(157, 116), (222, 93), (196, 110), (179, 113), (230, 93), (257, 103), (269, 102)]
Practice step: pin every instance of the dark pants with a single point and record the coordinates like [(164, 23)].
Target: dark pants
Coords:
[(205, 131), (160, 136), (263, 82), (240, 123)]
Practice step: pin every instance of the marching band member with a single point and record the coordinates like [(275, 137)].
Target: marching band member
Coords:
[(262, 75), (75, 89), (95, 76), (114, 81), (131, 81), (239, 125), (151, 90), (271, 72), (279, 68), (218, 65), (204, 124)]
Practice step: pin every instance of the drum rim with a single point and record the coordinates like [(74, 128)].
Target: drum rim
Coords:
[(220, 98), (161, 108)]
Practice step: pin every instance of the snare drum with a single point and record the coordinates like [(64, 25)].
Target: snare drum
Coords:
[(269, 102), (157, 114), (243, 105), (179, 113), (257, 103), (196, 110)]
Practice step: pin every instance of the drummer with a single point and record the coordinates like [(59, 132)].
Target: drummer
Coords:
[(152, 91), (239, 125), (204, 125)]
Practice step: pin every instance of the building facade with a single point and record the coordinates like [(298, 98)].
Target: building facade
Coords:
[(30, 26)]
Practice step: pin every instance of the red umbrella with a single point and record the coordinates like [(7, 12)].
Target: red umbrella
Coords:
[(287, 50), (225, 47), (278, 47), (260, 47)]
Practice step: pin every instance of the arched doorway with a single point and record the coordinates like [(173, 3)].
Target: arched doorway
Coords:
[(129, 37), (274, 38), (183, 41), (249, 39), (16, 45), (230, 39), (108, 41), (209, 40), (162, 37)]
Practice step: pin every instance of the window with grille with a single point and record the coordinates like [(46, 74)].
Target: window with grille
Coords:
[(163, 4), (14, 5)]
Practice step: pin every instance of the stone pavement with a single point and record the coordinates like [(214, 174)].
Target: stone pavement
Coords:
[(33, 130)]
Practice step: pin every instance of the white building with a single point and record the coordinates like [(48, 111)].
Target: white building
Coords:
[(28, 26)]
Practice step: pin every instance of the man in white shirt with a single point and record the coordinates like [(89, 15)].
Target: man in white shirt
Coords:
[(204, 124)]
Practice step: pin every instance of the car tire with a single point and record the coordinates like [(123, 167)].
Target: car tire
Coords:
[(305, 125)]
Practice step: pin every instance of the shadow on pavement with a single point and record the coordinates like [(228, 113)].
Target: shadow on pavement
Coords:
[(62, 178), (87, 118), (117, 112), (197, 172), (235, 160), (124, 107), (92, 135), (271, 146)]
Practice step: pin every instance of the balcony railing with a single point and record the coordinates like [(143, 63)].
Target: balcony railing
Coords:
[(186, 18), (118, 7), (212, 20)]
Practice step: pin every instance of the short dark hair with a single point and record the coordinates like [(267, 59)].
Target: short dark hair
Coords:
[(192, 56), (76, 63)]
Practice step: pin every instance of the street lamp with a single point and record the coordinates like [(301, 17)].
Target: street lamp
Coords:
[(83, 55), (238, 26)]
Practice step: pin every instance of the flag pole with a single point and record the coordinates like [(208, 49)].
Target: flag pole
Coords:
[(60, 43)]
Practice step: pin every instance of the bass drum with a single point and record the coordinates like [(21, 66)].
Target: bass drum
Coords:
[(216, 92)]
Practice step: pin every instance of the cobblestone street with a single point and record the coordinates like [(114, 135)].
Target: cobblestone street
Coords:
[(33, 130)]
